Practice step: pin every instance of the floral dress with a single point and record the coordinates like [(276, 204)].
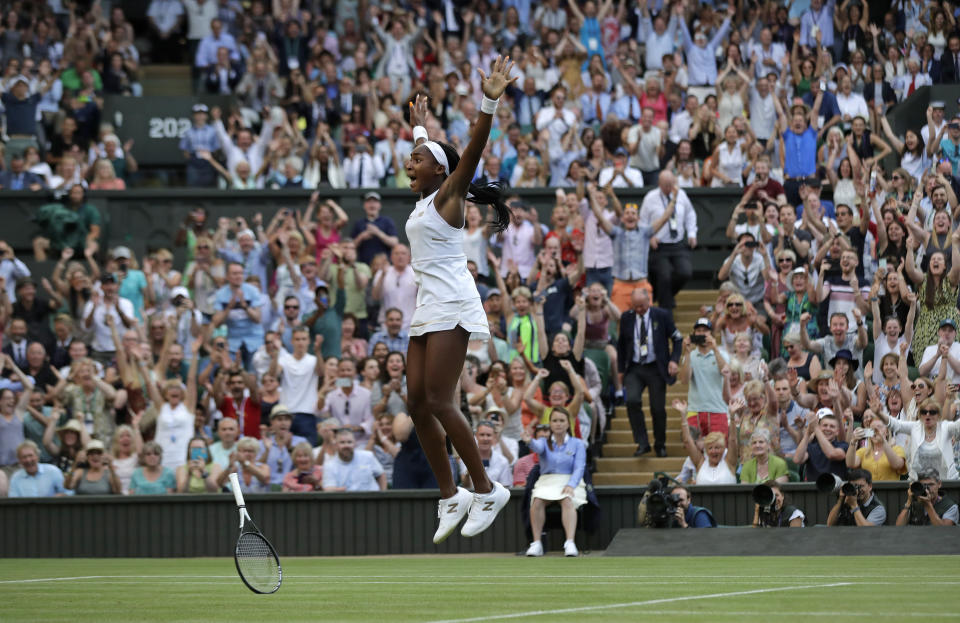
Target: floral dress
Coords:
[(928, 319)]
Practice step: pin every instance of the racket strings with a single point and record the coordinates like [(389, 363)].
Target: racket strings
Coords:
[(257, 562)]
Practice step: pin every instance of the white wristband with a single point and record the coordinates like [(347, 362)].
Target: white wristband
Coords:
[(488, 105), (419, 132)]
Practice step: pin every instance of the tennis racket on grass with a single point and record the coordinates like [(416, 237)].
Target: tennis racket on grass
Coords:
[(257, 561)]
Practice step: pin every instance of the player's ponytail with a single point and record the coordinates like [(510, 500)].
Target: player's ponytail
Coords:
[(491, 193)]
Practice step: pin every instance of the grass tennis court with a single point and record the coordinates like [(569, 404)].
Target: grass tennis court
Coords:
[(487, 588)]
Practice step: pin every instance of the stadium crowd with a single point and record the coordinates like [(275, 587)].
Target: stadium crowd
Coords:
[(277, 350)]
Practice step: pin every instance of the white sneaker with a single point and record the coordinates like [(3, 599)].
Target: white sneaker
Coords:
[(484, 510), (570, 549), (451, 512), (535, 549)]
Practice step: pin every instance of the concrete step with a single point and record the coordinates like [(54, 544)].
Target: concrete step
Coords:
[(623, 479), (618, 423), (626, 437), (626, 450), (648, 462)]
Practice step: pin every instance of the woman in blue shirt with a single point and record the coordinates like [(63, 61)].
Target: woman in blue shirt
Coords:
[(563, 458)]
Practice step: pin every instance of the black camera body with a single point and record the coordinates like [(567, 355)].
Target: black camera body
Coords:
[(919, 489), (658, 507), (698, 340)]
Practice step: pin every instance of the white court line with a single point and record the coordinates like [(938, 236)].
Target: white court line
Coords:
[(633, 604), (766, 614), (108, 577)]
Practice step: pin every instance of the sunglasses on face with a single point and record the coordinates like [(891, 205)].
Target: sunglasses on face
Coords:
[(291, 307), (732, 305), (897, 177), (220, 345), (929, 412), (785, 260), (918, 386)]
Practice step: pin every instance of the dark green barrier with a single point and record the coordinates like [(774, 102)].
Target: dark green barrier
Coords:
[(334, 524), (147, 219)]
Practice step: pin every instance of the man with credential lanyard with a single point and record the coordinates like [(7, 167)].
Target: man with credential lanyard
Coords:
[(670, 265)]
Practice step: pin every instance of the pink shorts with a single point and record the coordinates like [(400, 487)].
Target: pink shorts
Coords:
[(708, 422)]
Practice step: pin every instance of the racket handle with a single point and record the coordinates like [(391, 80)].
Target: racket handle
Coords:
[(235, 486)]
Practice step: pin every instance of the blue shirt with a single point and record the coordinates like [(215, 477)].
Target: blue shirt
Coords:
[(47, 482), (399, 343), (241, 329), (631, 252), (21, 114), (367, 249), (829, 108), (360, 474), (951, 152), (254, 263), (697, 517), (570, 457), (800, 153), (199, 139), (702, 62), (132, 290), (279, 460)]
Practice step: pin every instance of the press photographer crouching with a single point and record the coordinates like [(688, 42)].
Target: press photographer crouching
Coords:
[(770, 509), (925, 506), (670, 507), (856, 504)]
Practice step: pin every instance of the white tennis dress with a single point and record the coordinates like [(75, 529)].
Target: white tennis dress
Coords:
[(448, 296)]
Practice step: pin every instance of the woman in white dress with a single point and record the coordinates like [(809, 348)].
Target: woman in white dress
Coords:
[(715, 464), (449, 311), (175, 420), (728, 160)]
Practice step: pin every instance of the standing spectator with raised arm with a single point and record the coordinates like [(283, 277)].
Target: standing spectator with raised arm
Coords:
[(238, 305), (672, 243), (702, 55), (199, 141), (799, 136), (242, 147), (816, 26), (658, 35), (301, 372)]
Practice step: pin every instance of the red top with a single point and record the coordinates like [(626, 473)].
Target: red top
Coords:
[(249, 422)]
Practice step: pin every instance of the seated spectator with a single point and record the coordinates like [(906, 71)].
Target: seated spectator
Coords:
[(277, 444), (878, 454), (524, 465), (384, 445), (19, 178), (558, 396), (64, 442), (200, 473), (764, 465), (152, 478), (305, 475), (497, 467), (946, 351), (862, 509), (223, 451), (563, 459), (94, 476), (620, 175), (35, 479), (254, 475), (715, 464), (820, 451), (780, 514), (927, 509), (105, 177), (124, 452), (352, 470)]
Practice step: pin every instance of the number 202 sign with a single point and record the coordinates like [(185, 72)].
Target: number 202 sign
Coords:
[(167, 127)]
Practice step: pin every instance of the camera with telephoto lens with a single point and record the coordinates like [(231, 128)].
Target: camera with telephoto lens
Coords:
[(831, 483), (919, 489), (766, 500), (658, 508)]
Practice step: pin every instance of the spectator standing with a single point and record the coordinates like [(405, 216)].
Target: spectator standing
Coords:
[(393, 334), (375, 233), (200, 13), (207, 50), (350, 403), (702, 55), (497, 467), (799, 136), (700, 367), (238, 304), (672, 243), (197, 144), (298, 383), (520, 240), (396, 287), (166, 21), (648, 349)]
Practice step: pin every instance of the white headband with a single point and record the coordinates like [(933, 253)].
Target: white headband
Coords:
[(438, 154)]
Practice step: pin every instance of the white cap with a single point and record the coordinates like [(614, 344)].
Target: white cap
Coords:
[(824, 412), (179, 291)]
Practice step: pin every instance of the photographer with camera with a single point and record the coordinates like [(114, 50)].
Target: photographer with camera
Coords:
[(925, 506), (856, 504), (687, 515), (700, 366), (770, 509), (745, 268)]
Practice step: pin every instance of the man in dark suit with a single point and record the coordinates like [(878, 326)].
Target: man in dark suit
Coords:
[(950, 61), (18, 178), (648, 352), (223, 78), (886, 93)]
